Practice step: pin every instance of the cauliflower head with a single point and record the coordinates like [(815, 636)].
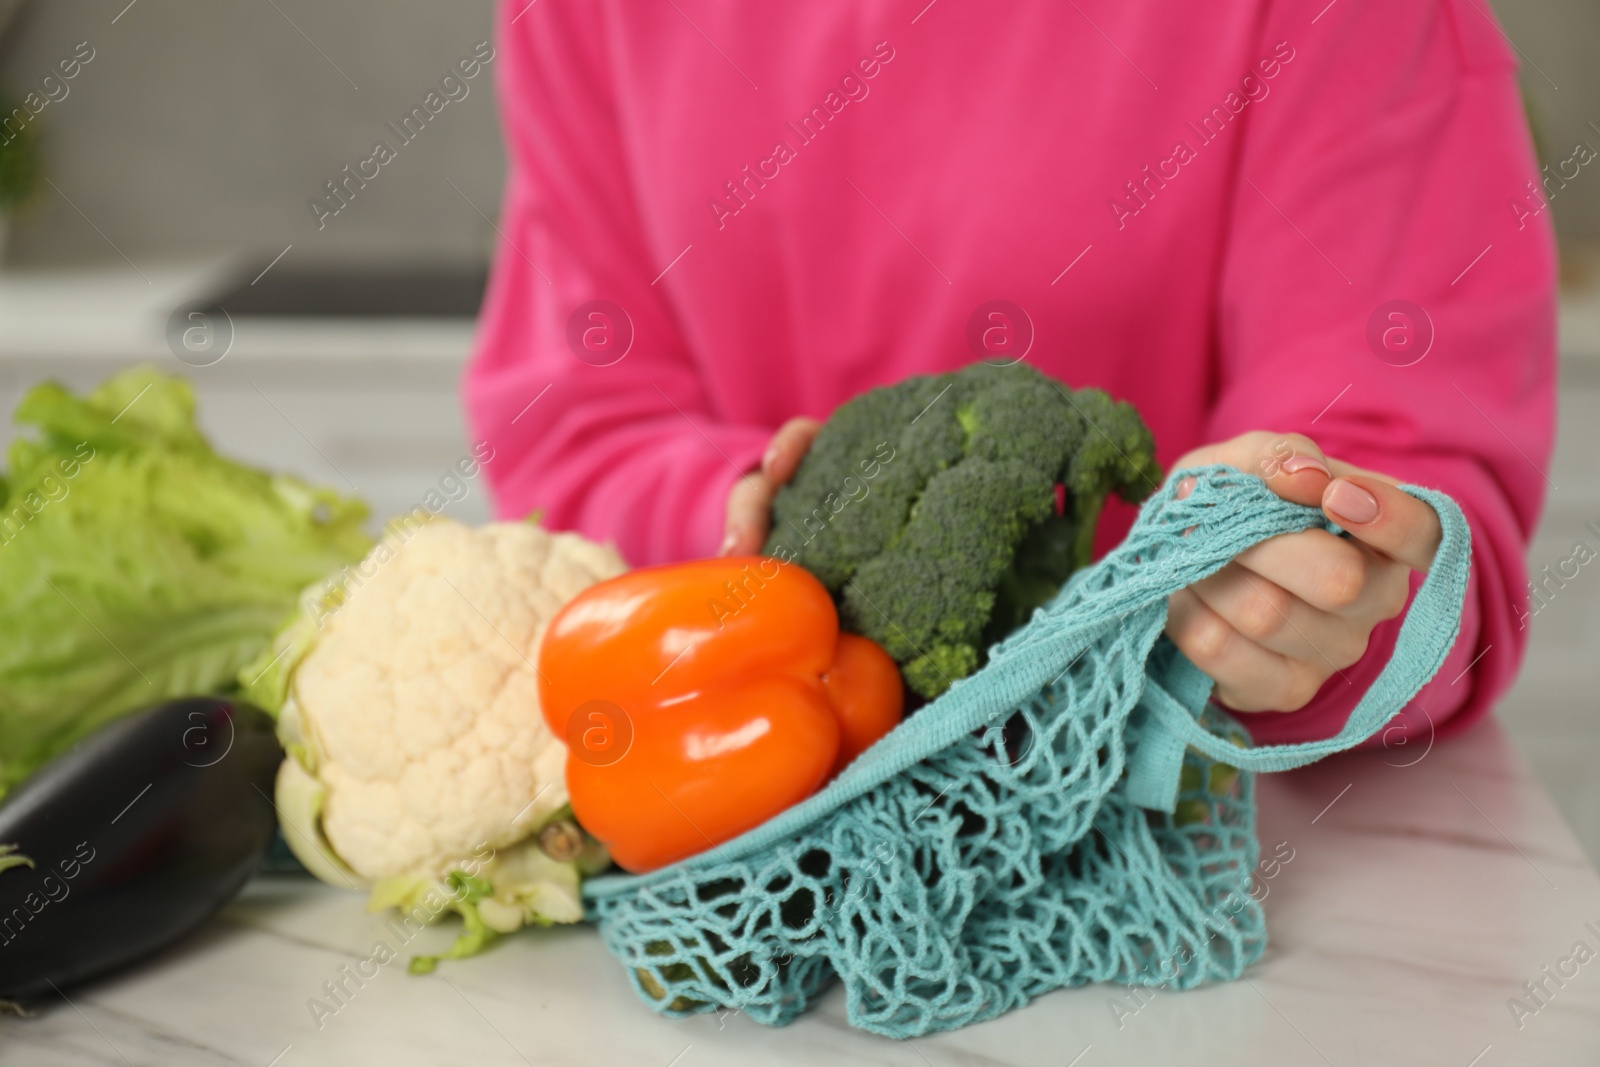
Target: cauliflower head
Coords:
[(418, 765)]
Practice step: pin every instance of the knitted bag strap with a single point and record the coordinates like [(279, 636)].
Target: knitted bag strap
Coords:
[(1170, 722)]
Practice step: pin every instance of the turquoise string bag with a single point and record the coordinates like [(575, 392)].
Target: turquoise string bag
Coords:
[(1074, 812)]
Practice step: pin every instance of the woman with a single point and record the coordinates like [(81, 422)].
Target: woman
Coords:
[(1290, 234)]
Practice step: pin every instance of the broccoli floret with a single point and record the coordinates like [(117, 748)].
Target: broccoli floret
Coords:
[(943, 510), (927, 598), (1117, 456), (851, 496)]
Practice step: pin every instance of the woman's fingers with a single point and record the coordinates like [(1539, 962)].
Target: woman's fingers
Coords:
[(1290, 463), (750, 499), (1249, 677), (1277, 620), (1384, 517), (787, 448), (1332, 574), (1285, 615), (1371, 506), (749, 504)]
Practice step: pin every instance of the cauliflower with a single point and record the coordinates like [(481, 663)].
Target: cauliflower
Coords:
[(418, 764)]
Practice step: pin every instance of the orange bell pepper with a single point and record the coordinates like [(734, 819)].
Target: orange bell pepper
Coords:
[(698, 700)]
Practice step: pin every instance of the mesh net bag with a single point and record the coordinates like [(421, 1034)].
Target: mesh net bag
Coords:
[(1074, 812)]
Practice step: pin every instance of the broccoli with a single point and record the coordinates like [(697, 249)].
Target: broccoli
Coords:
[(943, 510)]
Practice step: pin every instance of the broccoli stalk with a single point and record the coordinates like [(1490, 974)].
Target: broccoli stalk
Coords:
[(930, 508)]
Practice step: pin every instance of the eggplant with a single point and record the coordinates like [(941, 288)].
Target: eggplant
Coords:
[(136, 835)]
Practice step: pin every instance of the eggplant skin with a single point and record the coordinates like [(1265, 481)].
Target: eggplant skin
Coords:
[(138, 834)]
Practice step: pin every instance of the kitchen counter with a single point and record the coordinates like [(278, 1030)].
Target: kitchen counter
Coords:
[(1419, 899), (1426, 885)]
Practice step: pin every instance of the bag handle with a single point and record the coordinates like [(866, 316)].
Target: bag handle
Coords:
[(1427, 633)]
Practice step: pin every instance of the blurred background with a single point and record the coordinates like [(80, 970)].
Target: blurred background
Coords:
[(177, 163)]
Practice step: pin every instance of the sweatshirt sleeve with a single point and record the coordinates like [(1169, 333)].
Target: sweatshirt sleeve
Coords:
[(1391, 162), (601, 421)]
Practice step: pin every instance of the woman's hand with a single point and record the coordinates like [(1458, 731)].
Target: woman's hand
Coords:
[(1288, 614), (750, 499)]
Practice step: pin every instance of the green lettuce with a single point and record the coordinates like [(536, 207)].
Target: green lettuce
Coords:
[(137, 565)]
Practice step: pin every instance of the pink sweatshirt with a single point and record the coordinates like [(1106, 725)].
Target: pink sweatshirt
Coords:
[(1201, 208)]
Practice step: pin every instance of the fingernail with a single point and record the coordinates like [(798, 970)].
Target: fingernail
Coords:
[(1347, 500), (1185, 487), (768, 458), (728, 542), (1297, 463)]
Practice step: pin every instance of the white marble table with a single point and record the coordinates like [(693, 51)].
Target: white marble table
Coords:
[(1419, 899)]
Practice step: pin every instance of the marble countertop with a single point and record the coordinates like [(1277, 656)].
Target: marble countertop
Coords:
[(1426, 886)]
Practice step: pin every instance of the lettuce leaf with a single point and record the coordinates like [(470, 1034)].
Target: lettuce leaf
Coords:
[(136, 564)]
